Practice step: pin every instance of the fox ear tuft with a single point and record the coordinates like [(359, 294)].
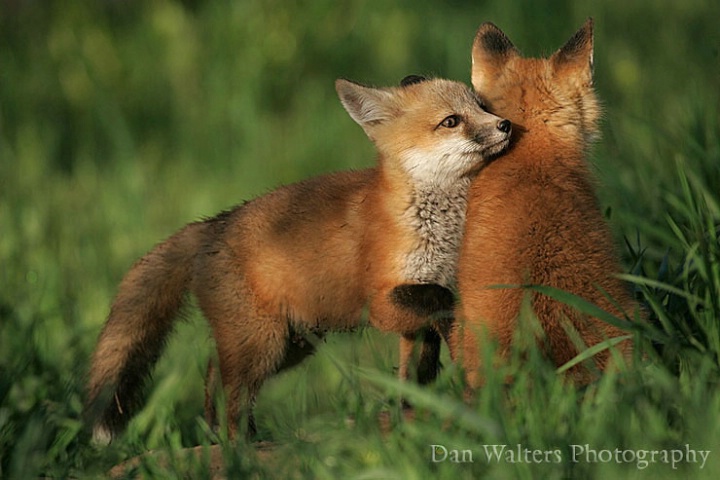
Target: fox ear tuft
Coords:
[(576, 56), (491, 51), (366, 105)]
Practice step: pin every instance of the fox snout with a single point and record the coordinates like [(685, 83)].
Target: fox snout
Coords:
[(499, 131), (494, 138)]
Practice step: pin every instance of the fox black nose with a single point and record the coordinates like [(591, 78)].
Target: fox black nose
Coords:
[(504, 126)]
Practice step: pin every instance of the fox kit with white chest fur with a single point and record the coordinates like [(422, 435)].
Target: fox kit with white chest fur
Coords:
[(309, 257)]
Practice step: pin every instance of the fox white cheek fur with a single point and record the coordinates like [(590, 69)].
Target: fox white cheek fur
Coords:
[(443, 165)]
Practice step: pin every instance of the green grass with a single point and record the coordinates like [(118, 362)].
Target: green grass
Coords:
[(122, 121)]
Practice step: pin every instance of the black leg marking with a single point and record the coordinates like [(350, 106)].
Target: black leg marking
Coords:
[(423, 299), (429, 364)]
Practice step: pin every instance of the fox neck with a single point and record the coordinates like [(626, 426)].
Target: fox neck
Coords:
[(567, 151), (436, 217)]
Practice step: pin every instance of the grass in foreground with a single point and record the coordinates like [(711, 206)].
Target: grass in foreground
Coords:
[(122, 121)]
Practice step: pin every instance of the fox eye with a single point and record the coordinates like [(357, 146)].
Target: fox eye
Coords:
[(451, 121)]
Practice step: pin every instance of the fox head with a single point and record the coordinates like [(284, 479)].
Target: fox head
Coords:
[(555, 93), (431, 131)]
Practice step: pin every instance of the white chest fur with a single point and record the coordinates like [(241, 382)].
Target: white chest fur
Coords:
[(437, 216)]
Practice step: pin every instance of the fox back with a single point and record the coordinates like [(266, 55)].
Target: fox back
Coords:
[(533, 217)]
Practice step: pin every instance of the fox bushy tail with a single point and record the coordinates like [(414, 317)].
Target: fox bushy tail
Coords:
[(141, 318)]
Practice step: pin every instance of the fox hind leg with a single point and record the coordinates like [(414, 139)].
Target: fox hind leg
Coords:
[(211, 385), (248, 356), (251, 343)]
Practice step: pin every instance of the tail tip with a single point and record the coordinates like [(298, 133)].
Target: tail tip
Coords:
[(101, 436)]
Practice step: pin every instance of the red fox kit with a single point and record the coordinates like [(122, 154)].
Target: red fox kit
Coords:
[(532, 216), (308, 257)]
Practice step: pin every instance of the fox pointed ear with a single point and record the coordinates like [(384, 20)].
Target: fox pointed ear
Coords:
[(366, 105), (491, 51), (576, 56)]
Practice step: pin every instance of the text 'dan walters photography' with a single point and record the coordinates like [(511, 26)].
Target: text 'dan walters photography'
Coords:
[(681, 456)]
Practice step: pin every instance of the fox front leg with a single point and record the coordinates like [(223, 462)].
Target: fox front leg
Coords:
[(428, 365), (430, 301)]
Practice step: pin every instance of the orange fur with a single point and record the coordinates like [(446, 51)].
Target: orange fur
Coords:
[(305, 258), (532, 216)]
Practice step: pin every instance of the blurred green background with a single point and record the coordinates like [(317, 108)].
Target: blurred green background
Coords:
[(120, 121)]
